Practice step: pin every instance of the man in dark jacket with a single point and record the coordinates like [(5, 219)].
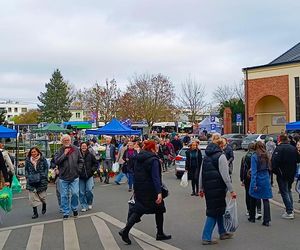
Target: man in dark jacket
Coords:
[(70, 163), (284, 163), (177, 144)]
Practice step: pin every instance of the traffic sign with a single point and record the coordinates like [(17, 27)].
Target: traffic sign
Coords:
[(238, 118), (213, 127), (212, 119)]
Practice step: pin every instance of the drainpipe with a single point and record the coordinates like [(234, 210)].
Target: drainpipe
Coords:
[(246, 103)]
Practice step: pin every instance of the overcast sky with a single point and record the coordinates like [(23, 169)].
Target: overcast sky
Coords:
[(93, 40)]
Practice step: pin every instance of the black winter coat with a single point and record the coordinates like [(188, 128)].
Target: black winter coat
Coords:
[(284, 161), (213, 185), (144, 190), (42, 169), (3, 168), (193, 171), (90, 165)]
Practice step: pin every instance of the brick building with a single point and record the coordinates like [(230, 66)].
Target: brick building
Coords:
[(272, 93)]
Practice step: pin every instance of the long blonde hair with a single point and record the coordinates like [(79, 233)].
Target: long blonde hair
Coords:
[(217, 139)]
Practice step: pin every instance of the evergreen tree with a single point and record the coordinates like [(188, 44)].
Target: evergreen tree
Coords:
[(56, 101)]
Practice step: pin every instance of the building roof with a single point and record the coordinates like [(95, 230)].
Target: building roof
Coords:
[(289, 57)]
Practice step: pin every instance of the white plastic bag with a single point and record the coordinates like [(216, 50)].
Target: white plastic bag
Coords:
[(184, 180), (230, 217), (115, 167)]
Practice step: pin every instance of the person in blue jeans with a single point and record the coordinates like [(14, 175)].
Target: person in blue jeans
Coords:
[(86, 179), (214, 181), (129, 158), (120, 160), (70, 162)]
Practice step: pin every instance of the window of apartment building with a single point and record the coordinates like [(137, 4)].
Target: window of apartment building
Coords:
[(15, 110), (9, 110), (297, 95), (24, 110), (77, 115)]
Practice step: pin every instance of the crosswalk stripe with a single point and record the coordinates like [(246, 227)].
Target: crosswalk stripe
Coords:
[(3, 238), (70, 235), (35, 238), (105, 235), (144, 245), (137, 233)]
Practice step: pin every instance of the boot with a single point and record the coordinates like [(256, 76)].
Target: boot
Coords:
[(35, 213), (159, 218), (44, 208), (125, 231), (106, 180)]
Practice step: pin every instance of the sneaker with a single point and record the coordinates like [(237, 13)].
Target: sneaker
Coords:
[(226, 236), (75, 214), (90, 207), (209, 242), (288, 216), (66, 217), (258, 216), (247, 213), (83, 210)]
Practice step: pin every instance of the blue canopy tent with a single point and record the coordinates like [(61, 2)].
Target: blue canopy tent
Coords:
[(207, 125), (114, 127), (293, 126), (7, 132)]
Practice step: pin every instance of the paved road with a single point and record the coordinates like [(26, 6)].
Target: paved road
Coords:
[(98, 229)]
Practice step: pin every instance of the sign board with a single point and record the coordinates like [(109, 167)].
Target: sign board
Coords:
[(238, 118), (239, 124), (213, 127), (212, 119)]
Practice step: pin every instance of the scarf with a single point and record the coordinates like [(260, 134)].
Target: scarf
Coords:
[(34, 160)]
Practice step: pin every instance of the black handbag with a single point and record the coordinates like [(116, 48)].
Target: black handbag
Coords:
[(34, 179), (164, 191)]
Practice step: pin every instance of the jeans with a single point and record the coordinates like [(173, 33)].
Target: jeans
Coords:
[(286, 194), (67, 187), (130, 180), (119, 177), (57, 185), (248, 199), (86, 192), (210, 225)]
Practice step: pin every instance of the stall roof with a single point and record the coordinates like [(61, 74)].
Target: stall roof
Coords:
[(7, 132)]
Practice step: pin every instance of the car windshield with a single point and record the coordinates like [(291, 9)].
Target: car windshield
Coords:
[(228, 135), (251, 137), (182, 152)]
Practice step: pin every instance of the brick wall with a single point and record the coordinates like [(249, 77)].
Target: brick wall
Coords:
[(258, 88)]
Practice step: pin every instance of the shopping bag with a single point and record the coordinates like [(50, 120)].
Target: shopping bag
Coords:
[(16, 185), (6, 199), (115, 167), (230, 217), (184, 180)]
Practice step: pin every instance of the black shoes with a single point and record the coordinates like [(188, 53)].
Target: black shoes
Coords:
[(251, 220), (66, 217), (124, 234), (75, 214), (35, 213), (163, 237), (44, 208), (266, 224)]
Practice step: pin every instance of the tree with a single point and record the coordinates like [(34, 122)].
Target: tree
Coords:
[(236, 105), (101, 101), (56, 101), (2, 116), (152, 97), (192, 97), (227, 92), (30, 117)]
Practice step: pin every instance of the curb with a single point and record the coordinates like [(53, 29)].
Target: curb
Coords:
[(296, 211)]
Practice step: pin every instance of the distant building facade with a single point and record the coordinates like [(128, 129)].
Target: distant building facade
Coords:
[(272, 93), (13, 109)]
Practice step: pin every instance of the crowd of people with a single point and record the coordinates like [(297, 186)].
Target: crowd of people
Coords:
[(142, 163)]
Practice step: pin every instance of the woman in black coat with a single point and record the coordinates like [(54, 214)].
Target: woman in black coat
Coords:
[(147, 192), (36, 172), (193, 165)]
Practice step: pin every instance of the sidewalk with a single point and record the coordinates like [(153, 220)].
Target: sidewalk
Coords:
[(277, 196)]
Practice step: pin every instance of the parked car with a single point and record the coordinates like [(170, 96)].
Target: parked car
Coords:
[(252, 138), (181, 158), (235, 140), (275, 137)]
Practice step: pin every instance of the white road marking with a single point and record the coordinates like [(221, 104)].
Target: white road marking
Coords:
[(35, 238), (70, 235), (107, 239), (144, 245), (137, 233), (3, 238)]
